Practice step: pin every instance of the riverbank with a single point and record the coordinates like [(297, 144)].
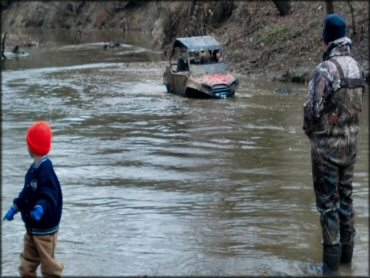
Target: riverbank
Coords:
[(258, 41)]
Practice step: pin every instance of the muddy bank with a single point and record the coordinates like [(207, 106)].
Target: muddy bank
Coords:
[(258, 41)]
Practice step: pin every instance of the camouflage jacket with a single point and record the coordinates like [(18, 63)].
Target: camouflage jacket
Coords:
[(333, 106)]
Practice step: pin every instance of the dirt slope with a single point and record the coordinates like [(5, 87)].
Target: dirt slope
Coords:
[(257, 40)]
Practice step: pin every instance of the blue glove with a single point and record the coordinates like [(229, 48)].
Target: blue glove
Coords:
[(10, 214), (37, 213)]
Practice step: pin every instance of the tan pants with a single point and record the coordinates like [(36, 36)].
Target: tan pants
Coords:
[(40, 250)]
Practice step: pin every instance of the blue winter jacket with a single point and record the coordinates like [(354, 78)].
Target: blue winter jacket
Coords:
[(41, 187)]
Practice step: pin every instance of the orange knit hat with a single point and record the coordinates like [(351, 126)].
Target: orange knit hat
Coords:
[(39, 137)]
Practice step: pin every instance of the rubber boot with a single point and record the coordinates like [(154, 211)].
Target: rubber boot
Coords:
[(331, 259), (347, 251)]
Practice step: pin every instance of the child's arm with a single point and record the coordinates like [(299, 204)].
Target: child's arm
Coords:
[(37, 213), (48, 193), (17, 206), (19, 202), (10, 214)]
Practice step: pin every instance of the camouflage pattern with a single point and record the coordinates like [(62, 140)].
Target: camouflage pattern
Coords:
[(331, 121)]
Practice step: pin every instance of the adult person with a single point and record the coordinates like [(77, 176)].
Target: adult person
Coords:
[(216, 56), (204, 57), (331, 122), (182, 64)]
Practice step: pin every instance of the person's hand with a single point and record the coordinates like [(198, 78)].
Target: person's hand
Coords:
[(333, 118), (10, 214), (37, 213)]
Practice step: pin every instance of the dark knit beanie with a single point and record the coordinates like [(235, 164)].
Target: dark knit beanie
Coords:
[(334, 28)]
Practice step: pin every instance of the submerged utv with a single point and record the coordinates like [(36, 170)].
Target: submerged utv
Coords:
[(197, 69)]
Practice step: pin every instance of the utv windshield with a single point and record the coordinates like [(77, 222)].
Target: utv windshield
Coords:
[(199, 69), (207, 61)]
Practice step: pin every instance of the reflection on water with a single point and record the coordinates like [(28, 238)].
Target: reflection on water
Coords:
[(156, 184)]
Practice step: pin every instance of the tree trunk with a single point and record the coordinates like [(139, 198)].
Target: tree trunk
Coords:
[(353, 18), (283, 6), (3, 47), (329, 6)]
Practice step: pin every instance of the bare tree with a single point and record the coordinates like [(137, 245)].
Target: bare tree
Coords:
[(3, 47), (283, 6), (353, 17), (329, 6)]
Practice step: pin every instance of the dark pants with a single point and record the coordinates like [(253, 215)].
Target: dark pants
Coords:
[(333, 190)]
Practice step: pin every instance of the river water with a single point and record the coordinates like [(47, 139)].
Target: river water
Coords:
[(157, 184)]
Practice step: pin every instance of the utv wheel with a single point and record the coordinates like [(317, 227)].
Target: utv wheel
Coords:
[(168, 88)]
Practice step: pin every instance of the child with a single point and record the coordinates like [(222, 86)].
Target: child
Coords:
[(40, 203)]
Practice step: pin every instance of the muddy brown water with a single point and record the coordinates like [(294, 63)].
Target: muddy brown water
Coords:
[(156, 184)]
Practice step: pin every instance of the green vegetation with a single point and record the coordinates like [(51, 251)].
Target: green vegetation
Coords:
[(273, 33)]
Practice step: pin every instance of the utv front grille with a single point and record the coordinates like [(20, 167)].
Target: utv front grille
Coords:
[(221, 91)]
